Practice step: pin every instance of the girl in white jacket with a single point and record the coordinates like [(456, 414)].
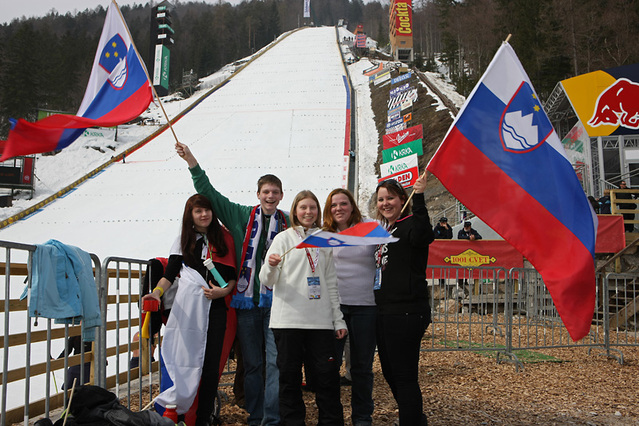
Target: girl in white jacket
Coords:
[(305, 316)]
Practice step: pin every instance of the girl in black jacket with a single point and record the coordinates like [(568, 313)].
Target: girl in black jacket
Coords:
[(401, 294)]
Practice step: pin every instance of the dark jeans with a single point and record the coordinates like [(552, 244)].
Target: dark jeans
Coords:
[(211, 367), (316, 348), (398, 342), (360, 321)]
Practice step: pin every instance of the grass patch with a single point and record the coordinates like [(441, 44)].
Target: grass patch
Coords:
[(525, 356)]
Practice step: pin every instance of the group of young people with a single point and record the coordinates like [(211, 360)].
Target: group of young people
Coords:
[(295, 307)]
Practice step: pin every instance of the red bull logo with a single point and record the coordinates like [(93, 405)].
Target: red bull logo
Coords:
[(618, 105)]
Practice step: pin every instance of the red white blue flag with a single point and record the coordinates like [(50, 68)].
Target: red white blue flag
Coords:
[(362, 234), (503, 160), (118, 91)]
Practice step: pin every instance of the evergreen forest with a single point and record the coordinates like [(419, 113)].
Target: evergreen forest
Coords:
[(45, 62)]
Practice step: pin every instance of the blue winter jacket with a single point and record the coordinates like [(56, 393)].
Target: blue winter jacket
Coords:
[(63, 287)]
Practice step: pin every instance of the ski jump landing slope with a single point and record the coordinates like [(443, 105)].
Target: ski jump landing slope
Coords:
[(285, 114)]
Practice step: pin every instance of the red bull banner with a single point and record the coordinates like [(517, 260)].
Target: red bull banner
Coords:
[(392, 140), (606, 101)]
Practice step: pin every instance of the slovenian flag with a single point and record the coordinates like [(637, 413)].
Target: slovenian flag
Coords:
[(118, 91), (361, 234), (503, 160)]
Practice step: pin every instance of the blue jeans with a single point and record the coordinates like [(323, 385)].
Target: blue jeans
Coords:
[(262, 397), (360, 321)]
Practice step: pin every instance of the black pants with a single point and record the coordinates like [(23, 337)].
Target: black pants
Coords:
[(211, 368), (315, 348), (399, 338)]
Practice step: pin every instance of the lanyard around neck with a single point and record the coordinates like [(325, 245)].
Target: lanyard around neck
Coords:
[(312, 262)]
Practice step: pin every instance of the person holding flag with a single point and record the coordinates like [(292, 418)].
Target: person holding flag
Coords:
[(118, 91), (305, 317), (195, 331), (253, 229), (401, 293)]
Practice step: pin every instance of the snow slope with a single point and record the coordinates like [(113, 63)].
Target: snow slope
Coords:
[(283, 114)]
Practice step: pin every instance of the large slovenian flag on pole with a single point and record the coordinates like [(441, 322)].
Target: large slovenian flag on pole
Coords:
[(361, 234), (503, 160), (118, 91)]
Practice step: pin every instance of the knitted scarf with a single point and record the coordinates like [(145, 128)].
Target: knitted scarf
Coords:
[(243, 297)]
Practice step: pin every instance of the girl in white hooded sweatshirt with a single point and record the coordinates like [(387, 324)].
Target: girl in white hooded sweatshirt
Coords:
[(305, 316)]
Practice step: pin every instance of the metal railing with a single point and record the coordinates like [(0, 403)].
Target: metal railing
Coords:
[(490, 309)]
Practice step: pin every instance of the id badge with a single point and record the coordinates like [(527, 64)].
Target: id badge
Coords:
[(378, 279), (313, 288)]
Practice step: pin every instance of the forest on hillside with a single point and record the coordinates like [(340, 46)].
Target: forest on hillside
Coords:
[(45, 62)]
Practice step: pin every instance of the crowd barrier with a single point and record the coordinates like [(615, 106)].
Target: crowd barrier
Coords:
[(491, 309), (487, 309)]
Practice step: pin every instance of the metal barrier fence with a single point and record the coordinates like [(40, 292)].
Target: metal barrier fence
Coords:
[(479, 309), (119, 289), (491, 309), (30, 364)]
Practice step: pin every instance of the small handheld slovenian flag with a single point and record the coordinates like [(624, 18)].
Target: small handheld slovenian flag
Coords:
[(362, 234)]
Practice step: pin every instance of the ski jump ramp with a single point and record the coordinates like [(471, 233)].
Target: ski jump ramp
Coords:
[(286, 113)]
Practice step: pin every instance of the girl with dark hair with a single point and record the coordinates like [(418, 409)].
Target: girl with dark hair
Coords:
[(401, 294), (305, 316), (195, 331), (355, 270)]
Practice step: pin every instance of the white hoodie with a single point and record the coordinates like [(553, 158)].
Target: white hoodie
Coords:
[(292, 305)]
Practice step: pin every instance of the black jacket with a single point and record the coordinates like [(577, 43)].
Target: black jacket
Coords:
[(443, 233), (465, 235), (625, 196), (403, 264)]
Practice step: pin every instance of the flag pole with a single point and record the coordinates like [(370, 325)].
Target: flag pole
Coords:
[(410, 197), (507, 38), (146, 72), (287, 252)]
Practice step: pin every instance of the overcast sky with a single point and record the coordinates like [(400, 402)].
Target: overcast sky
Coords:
[(36, 8)]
